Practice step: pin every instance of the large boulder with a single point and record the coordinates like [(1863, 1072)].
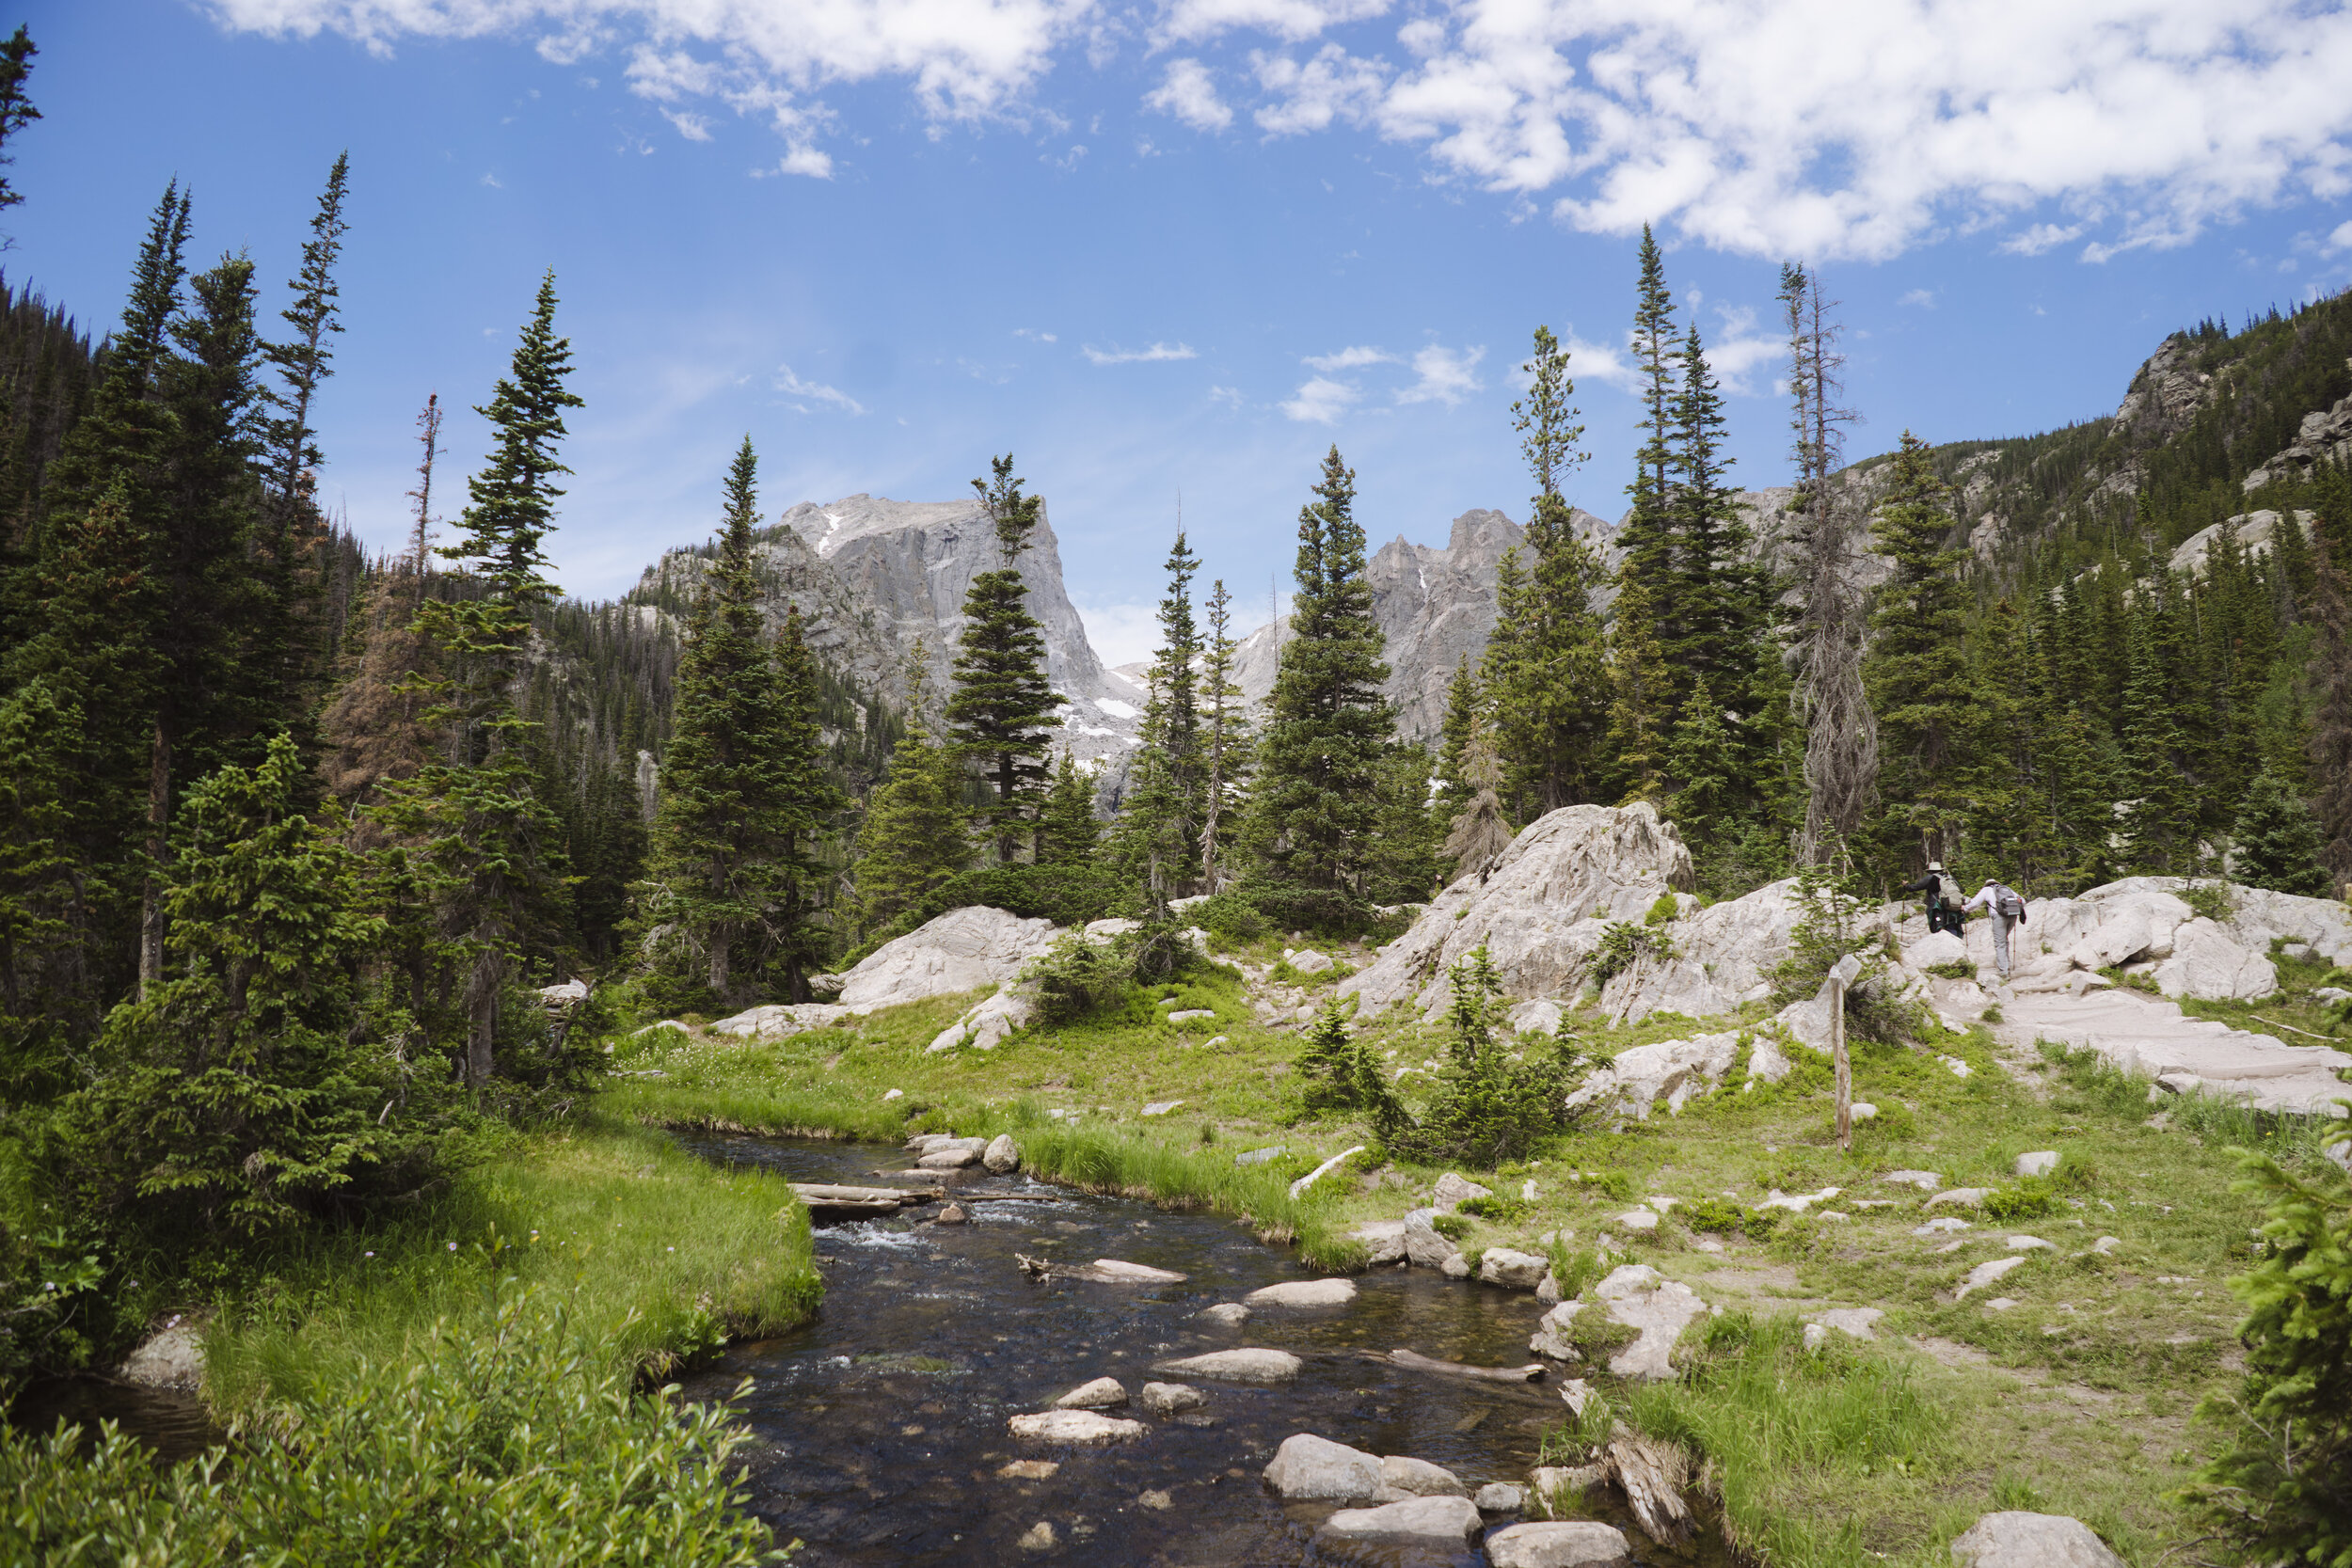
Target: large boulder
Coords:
[(1722, 956), (1307, 1469), (2031, 1541), (1671, 1071), (2141, 1035), (962, 950), (1659, 1309), (1539, 910), (780, 1021), (2207, 965), (171, 1358)]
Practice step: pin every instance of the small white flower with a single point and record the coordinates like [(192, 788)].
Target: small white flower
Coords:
[(453, 1246)]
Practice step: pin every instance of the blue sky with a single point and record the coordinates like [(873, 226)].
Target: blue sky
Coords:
[(1182, 248)]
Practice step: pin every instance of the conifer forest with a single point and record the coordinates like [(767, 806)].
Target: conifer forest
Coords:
[(400, 954)]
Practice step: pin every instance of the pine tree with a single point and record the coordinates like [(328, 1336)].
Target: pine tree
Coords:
[(727, 814), (811, 800), (1225, 742), (914, 837), (16, 109), (2274, 842), (1477, 834), (1647, 534), (1315, 801), (1002, 705), (1465, 709), (1716, 629), (1640, 710), (1545, 668), (1703, 759), (1068, 832), (476, 818), (1160, 816), (1917, 669), (2159, 831), (1404, 860), (44, 880), (2330, 744)]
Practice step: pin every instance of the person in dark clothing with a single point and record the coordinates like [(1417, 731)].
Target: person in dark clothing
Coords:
[(1943, 912)]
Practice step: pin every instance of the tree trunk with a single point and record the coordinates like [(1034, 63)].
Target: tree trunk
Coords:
[(717, 940), (152, 897), (481, 1006)]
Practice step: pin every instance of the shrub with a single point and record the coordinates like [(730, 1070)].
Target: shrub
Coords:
[(1326, 911), (1487, 1108), (508, 1448), (1576, 1270), (1231, 916), (1338, 1071), (1077, 979), (1959, 969), (2027, 1200), (1831, 924), (1621, 945), (1496, 1209), (1715, 1215), (1666, 908), (1452, 1226), (2284, 1492), (2210, 899)]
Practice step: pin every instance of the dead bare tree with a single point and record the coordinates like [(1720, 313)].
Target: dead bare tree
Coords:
[(1841, 749)]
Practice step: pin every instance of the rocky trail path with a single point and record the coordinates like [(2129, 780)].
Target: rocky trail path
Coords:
[(2147, 1034)]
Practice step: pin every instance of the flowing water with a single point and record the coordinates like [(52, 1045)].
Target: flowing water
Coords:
[(881, 1424)]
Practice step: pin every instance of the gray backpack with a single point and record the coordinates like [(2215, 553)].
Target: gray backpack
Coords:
[(2007, 900)]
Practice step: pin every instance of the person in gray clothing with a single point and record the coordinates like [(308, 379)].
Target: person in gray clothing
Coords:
[(2007, 908)]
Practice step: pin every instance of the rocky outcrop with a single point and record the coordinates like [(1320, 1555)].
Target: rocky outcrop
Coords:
[(2324, 437), (2256, 533), (1658, 1310), (962, 950), (2031, 1541), (2141, 1035), (1539, 910), (1672, 1070)]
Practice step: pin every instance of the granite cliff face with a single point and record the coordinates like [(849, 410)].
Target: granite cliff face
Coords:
[(871, 574)]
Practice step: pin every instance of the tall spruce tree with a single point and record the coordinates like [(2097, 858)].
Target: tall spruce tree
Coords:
[(2274, 842), (813, 802), (16, 108), (1160, 818), (1916, 672), (1225, 738), (723, 832), (1002, 707), (1545, 669), (2159, 822), (476, 818), (914, 836), (1648, 534), (1641, 708), (1316, 797), (1069, 835)]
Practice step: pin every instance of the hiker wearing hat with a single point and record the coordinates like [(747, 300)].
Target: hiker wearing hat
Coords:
[(2007, 906), (1943, 898)]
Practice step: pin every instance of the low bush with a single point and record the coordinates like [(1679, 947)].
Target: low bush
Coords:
[(1487, 1108), (1716, 1216), (1323, 911), (1337, 1070), (1452, 1226), (2029, 1199), (1959, 969), (1229, 916), (516, 1447), (1622, 945), (1496, 1209), (2211, 899)]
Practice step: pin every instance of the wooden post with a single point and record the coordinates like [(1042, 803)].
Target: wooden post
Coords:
[(1841, 976)]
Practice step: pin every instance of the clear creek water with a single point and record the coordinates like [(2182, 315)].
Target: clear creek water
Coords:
[(881, 1425)]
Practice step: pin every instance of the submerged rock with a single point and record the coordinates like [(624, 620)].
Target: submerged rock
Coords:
[(1432, 1523), (1168, 1399), (1076, 1426), (1304, 1293), (1225, 1314), (1251, 1364)]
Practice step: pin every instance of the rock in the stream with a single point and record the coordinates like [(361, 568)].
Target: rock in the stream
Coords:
[(952, 1214), (1659, 1309), (1554, 1487), (1384, 1241), (1168, 1399), (171, 1358), (1076, 1426), (1514, 1271), (1137, 1273), (1252, 1365), (1453, 1190), (1030, 1470), (1418, 1478), (1445, 1525), (1304, 1293), (1500, 1496), (1559, 1544), (1424, 1246), (1307, 1469), (1157, 1500), (1551, 1333), (1038, 1537), (949, 1159), (1225, 1314), (1003, 1155), (1455, 1267), (2031, 1541), (1101, 1394)]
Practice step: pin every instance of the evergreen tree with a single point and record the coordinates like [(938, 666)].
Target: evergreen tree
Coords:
[(1715, 630), (1159, 818), (728, 806), (914, 837), (1403, 859), (1068, 831), (16, 109), (476, 818), (2159, 824), (1477, 835), (810, 804), (1545, 668), (1002, 705), (1647, 534), (43, 882), (2276, 843), (2330, 744), (1640, 710), (1703, 759), (1917, 669), (1315, 801), (1225, 738), (1465, 708)]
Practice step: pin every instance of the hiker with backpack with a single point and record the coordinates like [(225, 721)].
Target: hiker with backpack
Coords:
[(2007, 906), (1944, 913)]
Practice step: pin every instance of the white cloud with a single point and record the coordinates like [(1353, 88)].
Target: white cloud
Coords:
[(1350, 359), (1138, 356), (1321, 400), (792, 386), (1189, 93), (693, 127), (1230, 396), (809, 161), (1443, 375), (1040, 337), (1121, 633), (493, 182), (1821, 129), (2041, 237), (2342, 238), (1606, 363), (1923, 298)]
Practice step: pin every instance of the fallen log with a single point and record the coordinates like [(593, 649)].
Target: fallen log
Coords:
[(1653, 1475), (1414, 1361), (813, 1192)]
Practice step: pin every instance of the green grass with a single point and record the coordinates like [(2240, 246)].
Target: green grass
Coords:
[(653, 1255)]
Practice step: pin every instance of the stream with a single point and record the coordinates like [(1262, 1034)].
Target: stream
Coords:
[(881, 1426)]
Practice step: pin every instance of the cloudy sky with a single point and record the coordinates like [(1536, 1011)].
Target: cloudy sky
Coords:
[(1177, 249)]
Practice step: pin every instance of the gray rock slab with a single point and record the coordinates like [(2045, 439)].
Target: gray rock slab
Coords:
[(2141, 1034), (962, 950), (1428, 1523), (1453, 1190), (1421, 1478), (1424, 1247), (1251, 1365), (1512, 1270), (1138, 1273), (171, 1358), (1307, 1469), (1500, 1496), (2040, 1162), (1076, 1426), (1225, 1314), (1384, 1241), (1558, 1543), (1101, 1394), (1304, 1293), (1635, 1296), (2031, 1541), (1166, 1398)]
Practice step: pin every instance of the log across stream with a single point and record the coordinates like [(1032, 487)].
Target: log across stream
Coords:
[(881, 1426)]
